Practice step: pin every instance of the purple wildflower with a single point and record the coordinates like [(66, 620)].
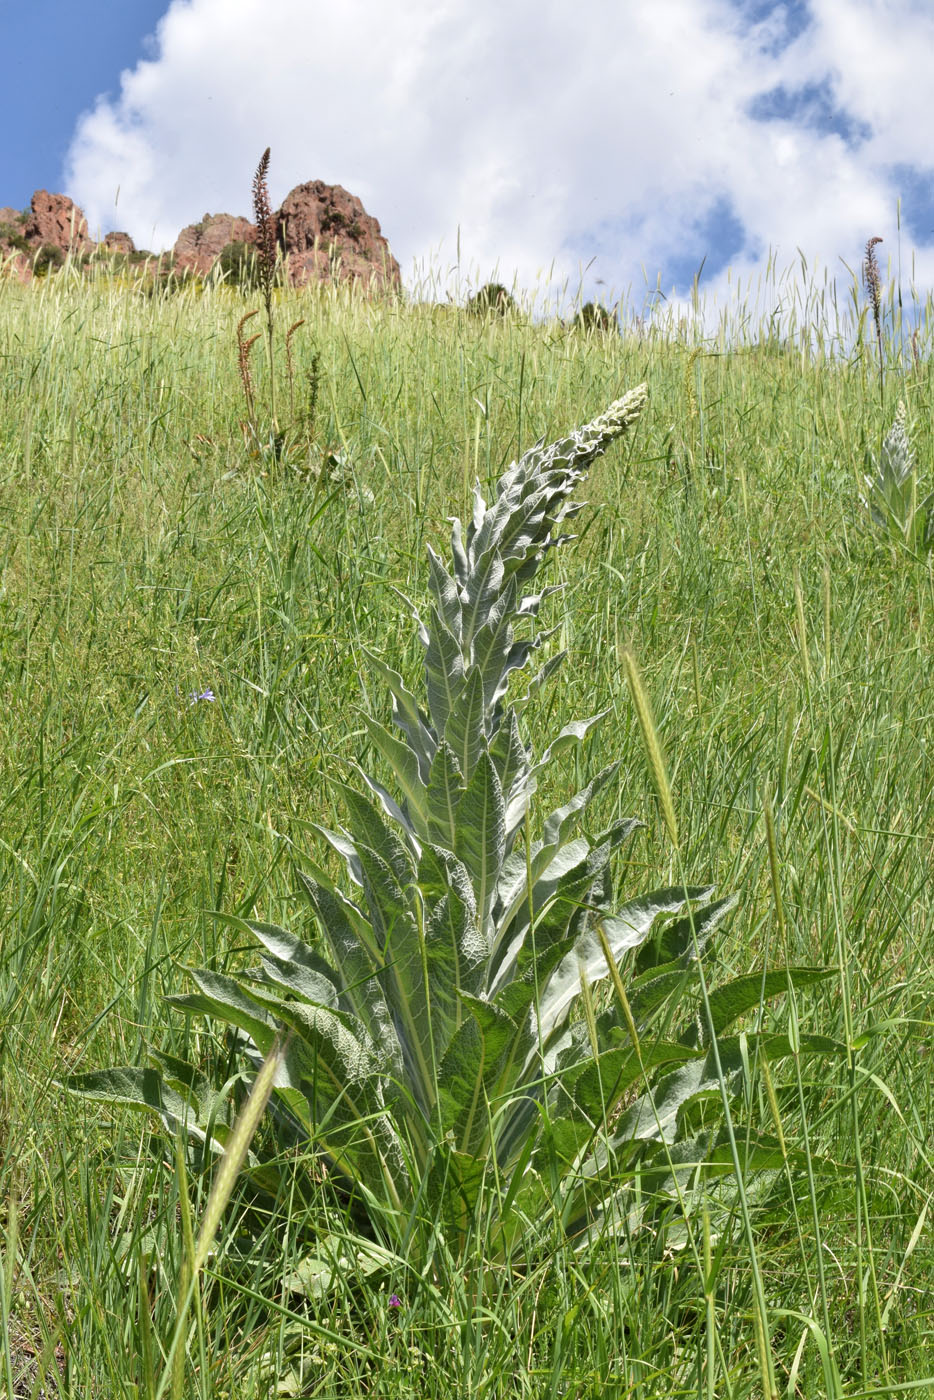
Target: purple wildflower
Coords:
[(197, 695), (395, 1301)]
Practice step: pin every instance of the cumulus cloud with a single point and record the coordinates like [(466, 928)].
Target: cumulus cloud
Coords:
[(594, 144)]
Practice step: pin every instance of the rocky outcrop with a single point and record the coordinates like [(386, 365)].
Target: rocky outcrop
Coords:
[(323, 231), (118, 243), (55, 219), (198, 246), (326, 234)]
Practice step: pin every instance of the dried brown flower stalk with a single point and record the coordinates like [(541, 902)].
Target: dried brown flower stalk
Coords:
[(243, 363), (266, 439), (266, 260), (265, 227), (873, 284)]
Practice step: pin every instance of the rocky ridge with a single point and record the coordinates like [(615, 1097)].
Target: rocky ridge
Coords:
[(324, 234)]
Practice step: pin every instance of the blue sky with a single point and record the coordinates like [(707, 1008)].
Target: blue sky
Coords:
[(56, 60), (611, 146)]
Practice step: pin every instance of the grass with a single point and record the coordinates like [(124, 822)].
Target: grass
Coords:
[(784, 648)]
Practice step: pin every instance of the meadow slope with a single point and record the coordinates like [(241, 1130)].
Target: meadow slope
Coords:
[(149, 561)]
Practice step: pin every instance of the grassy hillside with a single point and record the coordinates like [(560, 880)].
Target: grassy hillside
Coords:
[(149, 560)]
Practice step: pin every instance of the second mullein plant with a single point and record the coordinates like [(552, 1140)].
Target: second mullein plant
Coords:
[(476, 1023)]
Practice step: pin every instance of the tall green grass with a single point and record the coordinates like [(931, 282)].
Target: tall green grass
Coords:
[(785, 649)]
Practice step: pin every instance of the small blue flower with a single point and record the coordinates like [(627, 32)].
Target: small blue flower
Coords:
[(197, 695)]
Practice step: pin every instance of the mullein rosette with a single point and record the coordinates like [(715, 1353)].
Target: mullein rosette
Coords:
[(446, 1042)]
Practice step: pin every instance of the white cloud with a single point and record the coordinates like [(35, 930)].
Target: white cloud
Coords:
[(546, 134)]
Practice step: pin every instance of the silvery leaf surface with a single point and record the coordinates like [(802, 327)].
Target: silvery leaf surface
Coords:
[(529, 961), (408, 717), (655, 1114), (310, 869), (675, 1172), (439, 870), (521, 538), (549, 869), (483, 535), (515, 659), (625, 930), (514, 525), (404, 765), (301, 981), (458, 553), (286, 947), (392, 809), (433, 974), (192, 1084), (529, 605), (388, 902), (511, 759), (575, 732), (547, 859), (351, 1057), (342, 1078), (483, 588), (595, 1086), (532, 1073), (445, 592), (558, 468), (480, 835), (344, 846), (517, 808), (897, 459), (444, 672), (466, 727), (368, 828), (450, 936), (315, 1275), (443, 795), (491, 644), (402, 976), (733, 999), (222, 997), (135, 1086), (557, 824), (470, 1072), (541, 678), (679, 940), (442, 878), (477, 518), (357, 961)]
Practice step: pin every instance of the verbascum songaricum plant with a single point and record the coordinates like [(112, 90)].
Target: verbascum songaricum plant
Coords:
[(892, 497), (447, 1037)]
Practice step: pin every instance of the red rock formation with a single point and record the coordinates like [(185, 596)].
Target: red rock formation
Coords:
[(199, 245), (325, 232), (118, 243), (56, 219)]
